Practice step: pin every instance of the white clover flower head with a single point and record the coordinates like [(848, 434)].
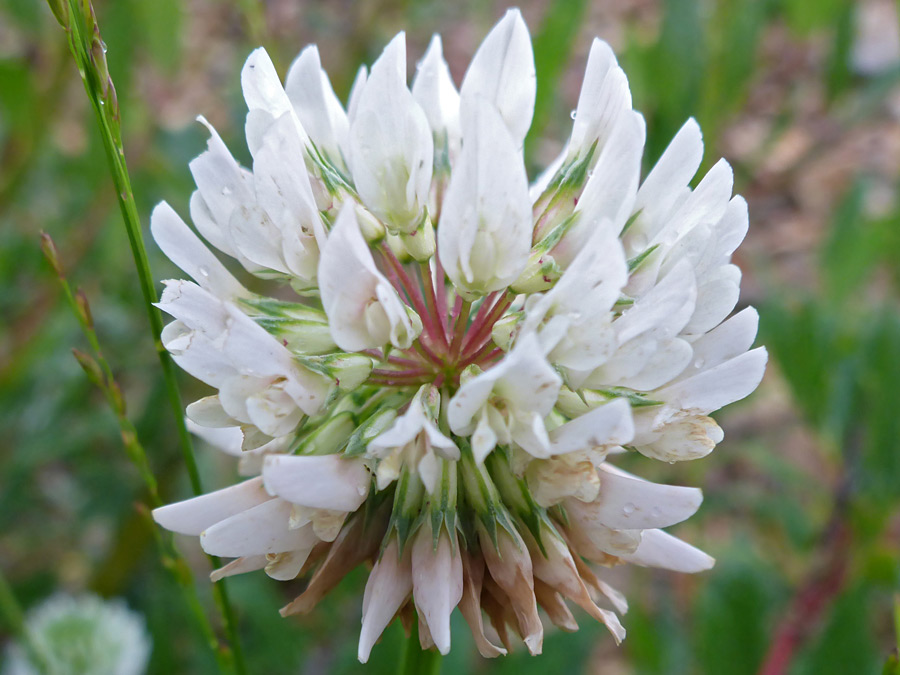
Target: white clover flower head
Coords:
[(456, 357), (79, 635)]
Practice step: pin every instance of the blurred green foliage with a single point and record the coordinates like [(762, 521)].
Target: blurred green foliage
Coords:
[(67, 491)]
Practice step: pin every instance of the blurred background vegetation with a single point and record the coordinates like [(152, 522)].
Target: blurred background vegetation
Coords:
[(801, 509)]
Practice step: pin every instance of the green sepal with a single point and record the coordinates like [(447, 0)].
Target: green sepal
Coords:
[(517, 496), (631, 221), (558, 512), (570, 177), (366, 432), (503, 330), (334, 179), (330, 436), (481, 494), (637, 399), (636, 261), (300, 336), (441, 507), (259, 306), (577, 402), (348, 371), (405, 515), (420, 244), (542, 271)]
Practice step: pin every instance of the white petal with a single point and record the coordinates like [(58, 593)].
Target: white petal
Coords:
[(281, 180), (664, 310), (352, 290), (222, 186), (315, 103), (731, 338), (659, 549), (404, 430), (185, 249), (502, 72), (257, 238), (196, 354), (704, 206), (732, 228), (604, 98), (389, 584), (262, 86), (523, 378), (225, 439), (359, 83), (322, 482), (484, 235), (242, 565), (484, 439), (668, 360), (668, 179), (273, 411), (717, 387), (437, 583), (628, 503), (608, 424), (392, 151), (208, 412), (433, 89), (208, 227), (287, 566), (717, 295), (257, 353), (611, 188), (192, 516), (262, 529), (682, 440)]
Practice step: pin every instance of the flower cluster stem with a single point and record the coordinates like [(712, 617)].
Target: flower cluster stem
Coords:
[(100, 373), (79, 21), (418, 661)]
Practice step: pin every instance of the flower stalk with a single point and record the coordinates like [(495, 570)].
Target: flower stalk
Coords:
[(100, 374), (417, 661), (89, 52)]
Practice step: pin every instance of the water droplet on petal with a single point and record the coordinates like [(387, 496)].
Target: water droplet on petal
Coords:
[(656, 512), (226, 191), (572, 114), (628, 509), (699, 363), (204, 271)]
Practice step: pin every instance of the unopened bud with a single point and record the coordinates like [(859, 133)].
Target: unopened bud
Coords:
[(420, 243), (60, 9), (84, 309), (51, 254), (90, 367), (371, 228), (541, 272)]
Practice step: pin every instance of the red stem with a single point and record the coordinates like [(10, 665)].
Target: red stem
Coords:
[(459, 330), (812, 599), (400, 361), (413, 292), (441, 290), (482, 337), (431, 302), (400, 374)]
